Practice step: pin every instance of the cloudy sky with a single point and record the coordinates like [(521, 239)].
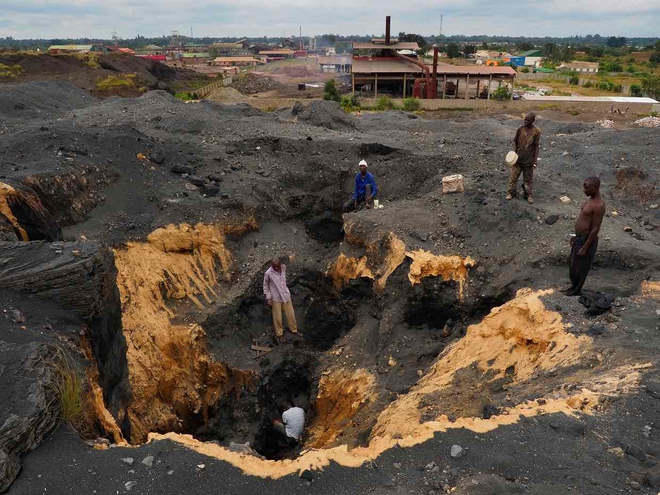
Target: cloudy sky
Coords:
[(218, 18)]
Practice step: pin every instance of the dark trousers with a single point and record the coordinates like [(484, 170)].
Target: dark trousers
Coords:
[(579, 266), (283, 438), (350, 204), (527, 172)]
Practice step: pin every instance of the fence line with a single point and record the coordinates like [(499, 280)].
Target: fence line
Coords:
[(625, 88), (210, 88)]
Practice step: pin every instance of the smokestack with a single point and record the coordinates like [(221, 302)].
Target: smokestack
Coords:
[(434, 88), (387, 30)]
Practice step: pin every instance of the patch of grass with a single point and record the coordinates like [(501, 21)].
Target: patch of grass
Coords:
[(574, 112), (187, 96), (410, 104), (90, 59), (116, 82), (383, 103), (548, 106), (69, 386), (187, 86), (11, 71)]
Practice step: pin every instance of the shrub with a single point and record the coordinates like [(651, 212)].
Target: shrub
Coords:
[(631, 69), (11, 71), (330, 91), (574, 80), (410, 104), (587, 84), (116, 82), (525, 70), (502, 93), (187, 96), (350, 103), (611, 65), (384, 103), (635, 90)]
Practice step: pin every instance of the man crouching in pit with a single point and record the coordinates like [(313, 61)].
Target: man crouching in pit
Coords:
[(292, 425), (585, 242)]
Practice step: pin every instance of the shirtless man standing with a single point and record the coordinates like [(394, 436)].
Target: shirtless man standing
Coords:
[(585, 242)]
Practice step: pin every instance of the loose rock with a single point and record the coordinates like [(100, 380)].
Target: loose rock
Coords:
[(457, 451)]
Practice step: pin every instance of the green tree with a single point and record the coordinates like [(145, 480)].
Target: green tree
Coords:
[(610, 65), (414, 38), (616, 41), (651, 86), (330, 91), (635, 90), (470, 49), (453, 51)]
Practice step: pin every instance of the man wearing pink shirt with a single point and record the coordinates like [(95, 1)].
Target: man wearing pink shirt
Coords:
[(278, 297)]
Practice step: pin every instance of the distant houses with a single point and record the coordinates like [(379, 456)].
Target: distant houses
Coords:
[(533, 58), (575, 66), (237, 61)]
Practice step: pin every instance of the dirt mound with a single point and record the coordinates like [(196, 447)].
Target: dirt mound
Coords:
[(327, 114), (570, 128), (43, 99), (86, 70), (301, 71), (250, 84)]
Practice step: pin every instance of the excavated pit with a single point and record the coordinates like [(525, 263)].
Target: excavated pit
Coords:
[(365, 381), (178, 327)]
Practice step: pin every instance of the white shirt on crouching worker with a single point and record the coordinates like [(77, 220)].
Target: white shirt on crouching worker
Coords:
[(294, 421)]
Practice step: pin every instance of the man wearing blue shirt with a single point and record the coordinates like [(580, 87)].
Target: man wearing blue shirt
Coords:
[(365, 189)]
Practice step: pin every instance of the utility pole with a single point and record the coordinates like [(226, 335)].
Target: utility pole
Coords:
[(441, 25), (191, 32), (301, 43)]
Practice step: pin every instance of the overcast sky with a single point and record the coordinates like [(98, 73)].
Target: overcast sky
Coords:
[(220, 18)]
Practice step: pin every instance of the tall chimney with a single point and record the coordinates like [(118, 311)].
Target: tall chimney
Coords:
[(387, 30), (434, 81)]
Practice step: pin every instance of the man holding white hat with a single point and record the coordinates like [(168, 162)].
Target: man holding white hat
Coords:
[(365, 189), (527, 143)]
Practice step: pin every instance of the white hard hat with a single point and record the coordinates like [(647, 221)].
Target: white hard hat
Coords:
[(363, 162), (511, 158)]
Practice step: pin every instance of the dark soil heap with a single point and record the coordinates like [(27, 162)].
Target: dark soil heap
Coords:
[(250, 84), (85, 72)]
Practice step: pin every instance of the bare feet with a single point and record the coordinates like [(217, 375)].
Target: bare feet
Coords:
[(530, 200), (509, 197)]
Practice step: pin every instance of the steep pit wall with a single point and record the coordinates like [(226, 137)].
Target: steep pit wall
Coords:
[(23, 217), (521, 338), (385, 252), (174, 380), (518, 340)]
